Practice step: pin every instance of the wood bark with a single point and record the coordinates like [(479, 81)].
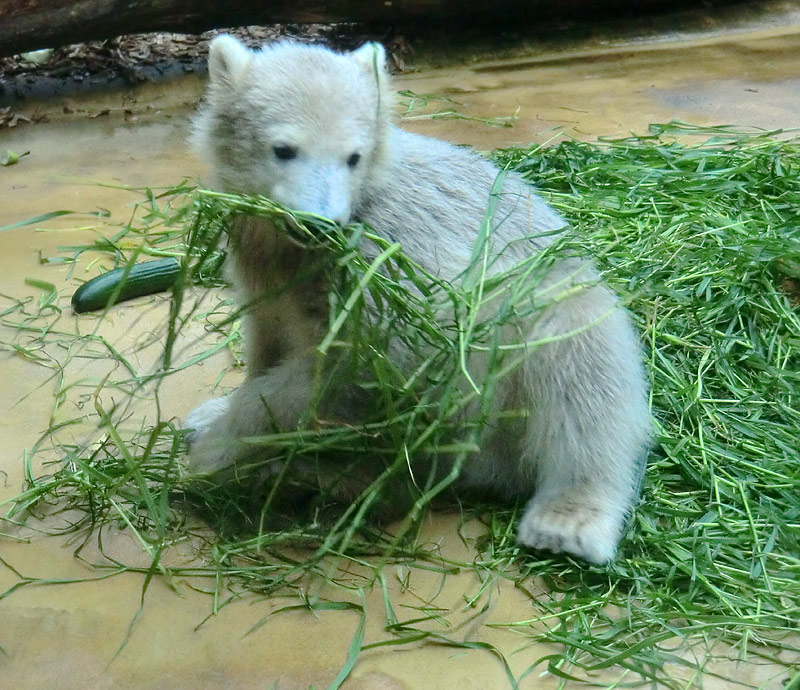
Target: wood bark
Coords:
[(33, 24)]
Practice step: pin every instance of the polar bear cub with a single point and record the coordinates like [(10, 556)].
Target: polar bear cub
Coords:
[(313, 129)]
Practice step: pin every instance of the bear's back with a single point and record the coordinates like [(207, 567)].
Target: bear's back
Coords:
[(433, 195)]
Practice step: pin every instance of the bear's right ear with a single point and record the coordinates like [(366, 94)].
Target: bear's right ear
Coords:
[(371, 57), (228, 60)]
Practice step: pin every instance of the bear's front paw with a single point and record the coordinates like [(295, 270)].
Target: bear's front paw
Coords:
[(563, 525), (210, 444), (201, 418), (210, 453)]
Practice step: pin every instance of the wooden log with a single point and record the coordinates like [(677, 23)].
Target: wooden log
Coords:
[(27, 25)]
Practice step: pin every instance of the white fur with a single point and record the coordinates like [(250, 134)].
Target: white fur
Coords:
[(580, 450)]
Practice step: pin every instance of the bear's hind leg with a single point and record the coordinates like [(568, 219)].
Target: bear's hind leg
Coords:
[(588, 431)]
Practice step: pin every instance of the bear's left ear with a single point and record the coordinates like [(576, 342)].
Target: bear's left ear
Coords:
[(371, 60), (371, 57)]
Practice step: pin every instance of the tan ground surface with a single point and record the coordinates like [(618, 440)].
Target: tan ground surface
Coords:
[(66, 636)]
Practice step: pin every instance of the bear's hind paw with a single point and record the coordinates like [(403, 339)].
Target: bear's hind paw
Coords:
[(561, 525)]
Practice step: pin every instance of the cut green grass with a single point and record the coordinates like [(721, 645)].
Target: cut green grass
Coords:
[(703, 242), (419, 106)]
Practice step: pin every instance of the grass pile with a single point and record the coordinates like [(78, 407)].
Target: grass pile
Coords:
[(703, 242)]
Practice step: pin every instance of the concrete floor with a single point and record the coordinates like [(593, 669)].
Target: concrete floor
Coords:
[(66, 636)]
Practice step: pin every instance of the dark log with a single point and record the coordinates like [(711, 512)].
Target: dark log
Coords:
[(33, 24)]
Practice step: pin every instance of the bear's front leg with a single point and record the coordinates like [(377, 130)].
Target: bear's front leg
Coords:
[(274, 401)]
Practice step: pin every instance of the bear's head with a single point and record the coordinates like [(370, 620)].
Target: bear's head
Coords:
[(301, 124)]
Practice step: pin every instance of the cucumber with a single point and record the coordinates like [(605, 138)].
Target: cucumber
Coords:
[(142, 279)]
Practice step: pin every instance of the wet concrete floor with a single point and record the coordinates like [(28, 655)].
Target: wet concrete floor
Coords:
[(66, 636)]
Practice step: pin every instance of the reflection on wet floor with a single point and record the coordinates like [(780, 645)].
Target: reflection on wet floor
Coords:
[(66, 636)]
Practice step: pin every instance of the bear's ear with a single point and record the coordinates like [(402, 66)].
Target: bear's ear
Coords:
[(228, 60), (371, 57)]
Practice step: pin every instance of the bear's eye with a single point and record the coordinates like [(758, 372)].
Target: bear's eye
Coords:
[(353, 160), (284, 152)]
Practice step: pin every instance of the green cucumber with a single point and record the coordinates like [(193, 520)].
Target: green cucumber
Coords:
[(123, 283)]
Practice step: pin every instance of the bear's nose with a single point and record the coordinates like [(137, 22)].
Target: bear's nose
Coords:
[(328, 194)]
